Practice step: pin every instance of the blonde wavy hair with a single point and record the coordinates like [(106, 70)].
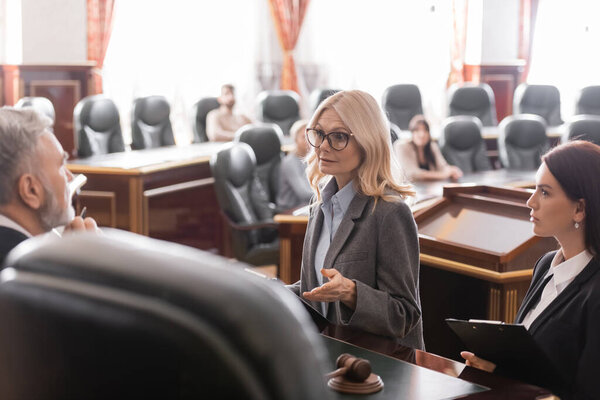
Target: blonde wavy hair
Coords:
[(379, 174)]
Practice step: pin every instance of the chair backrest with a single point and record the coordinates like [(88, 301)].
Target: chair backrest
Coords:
[(97, 126), (588, 101), (401, 103), (475, 99), (125, 316), (318, 95), (462, 144), (280, 107), (522, 141), (150, 123), (199, 113), (584, 127), (40, 104), (542, 100), (265, 141)]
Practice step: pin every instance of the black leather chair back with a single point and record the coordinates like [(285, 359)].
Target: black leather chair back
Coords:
[(588, 101), (40, 104), (318, 95), (280, 107), (473, 99), (522, 141), (150, 123), (462, 144), (97, 126), (542, 100), (265, 141), (584, 127), (245, 201), (401, 103), (199, 113), (126, 316)]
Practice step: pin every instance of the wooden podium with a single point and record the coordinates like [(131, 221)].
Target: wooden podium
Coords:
[(477, 256)]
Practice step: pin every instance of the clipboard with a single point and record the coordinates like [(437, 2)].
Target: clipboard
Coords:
[(510, 347), (318, 318)]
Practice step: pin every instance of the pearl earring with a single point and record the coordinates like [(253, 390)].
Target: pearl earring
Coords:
[(576, 225)]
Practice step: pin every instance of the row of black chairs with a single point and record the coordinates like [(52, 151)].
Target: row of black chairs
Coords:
[(402, 102), (522, 139)]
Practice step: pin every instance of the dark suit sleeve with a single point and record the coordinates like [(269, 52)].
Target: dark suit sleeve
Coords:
[(586, 380), (393, 307)]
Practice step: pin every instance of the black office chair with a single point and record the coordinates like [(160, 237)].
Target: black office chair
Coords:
[(584, 127), (245, 205), (199, 113), (462, 144), (265, 141), (97, 126), (280, 107), (542, 100), (522, 141), (40, 104), (475, 99), (125, 316), (318, 95), (401, 103), (588, 101), (150, 123)]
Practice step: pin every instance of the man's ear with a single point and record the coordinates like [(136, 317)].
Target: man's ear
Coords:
[(580, 211), (30, 191)]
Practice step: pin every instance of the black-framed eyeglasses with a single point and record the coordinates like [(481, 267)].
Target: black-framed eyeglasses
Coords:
[(337, 140)]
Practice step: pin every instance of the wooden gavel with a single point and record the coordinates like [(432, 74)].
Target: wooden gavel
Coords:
[(354, 368)]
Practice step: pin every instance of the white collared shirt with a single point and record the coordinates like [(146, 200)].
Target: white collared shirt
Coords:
[(563, 273), (9, 223)]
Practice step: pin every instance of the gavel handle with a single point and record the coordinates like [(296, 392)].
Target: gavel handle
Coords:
[(337, 372)]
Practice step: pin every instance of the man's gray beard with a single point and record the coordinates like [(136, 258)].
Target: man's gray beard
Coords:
[(50, 213)]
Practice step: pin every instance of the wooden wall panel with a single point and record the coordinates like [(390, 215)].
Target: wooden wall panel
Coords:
[(503, 80), (64, 85)]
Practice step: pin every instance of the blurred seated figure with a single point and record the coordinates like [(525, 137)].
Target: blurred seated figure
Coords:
[(125, 316), (421, 157), (222, 123), (40, 104), (34, 180), (294, 188)]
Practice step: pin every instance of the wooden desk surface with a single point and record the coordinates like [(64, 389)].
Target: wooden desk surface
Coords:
[(139, 162)]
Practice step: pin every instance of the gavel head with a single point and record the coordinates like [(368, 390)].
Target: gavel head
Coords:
[(358, 369)]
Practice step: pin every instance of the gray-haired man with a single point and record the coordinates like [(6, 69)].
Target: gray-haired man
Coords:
[(34, 179)]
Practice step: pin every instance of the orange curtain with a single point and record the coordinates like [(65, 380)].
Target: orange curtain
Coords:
[(526, 28), (99, 28), (459, 41), (288, 16)]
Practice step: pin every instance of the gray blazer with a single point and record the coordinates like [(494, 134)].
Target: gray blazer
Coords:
[(378, 249)]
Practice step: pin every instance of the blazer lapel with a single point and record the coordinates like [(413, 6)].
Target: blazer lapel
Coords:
[(572, 289), (355, 210), (533, 294)]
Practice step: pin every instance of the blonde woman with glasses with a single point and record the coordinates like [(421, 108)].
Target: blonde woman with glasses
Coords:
[(360, 262)]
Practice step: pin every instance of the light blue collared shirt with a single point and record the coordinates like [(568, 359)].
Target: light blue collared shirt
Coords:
[(334, 206)]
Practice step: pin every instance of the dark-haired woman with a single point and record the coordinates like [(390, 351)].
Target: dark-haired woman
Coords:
[(421, 158), (561, 309)]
